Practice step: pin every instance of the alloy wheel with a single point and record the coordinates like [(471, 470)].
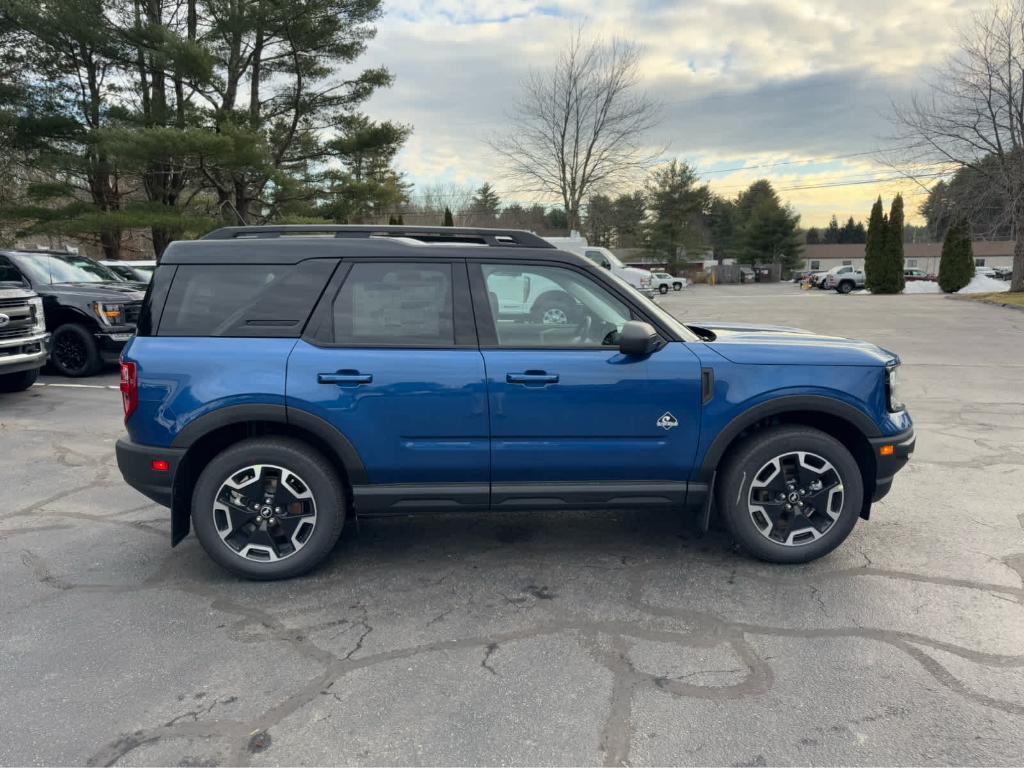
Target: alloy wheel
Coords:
[(69, 352), (795, 498), (555, 316), (264, 512)]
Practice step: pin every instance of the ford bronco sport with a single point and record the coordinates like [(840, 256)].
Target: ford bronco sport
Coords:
[(284, 379)]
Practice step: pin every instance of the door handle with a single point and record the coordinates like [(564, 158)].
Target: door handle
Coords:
[(532, 378), (345, 378)]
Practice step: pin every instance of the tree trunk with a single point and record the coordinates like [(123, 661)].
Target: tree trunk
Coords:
[(110, 241), (1017, 281)]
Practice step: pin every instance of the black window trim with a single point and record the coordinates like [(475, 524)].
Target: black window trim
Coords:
[(320, 328), (485, 322)]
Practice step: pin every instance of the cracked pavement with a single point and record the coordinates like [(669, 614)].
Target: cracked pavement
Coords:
[(538, 638)]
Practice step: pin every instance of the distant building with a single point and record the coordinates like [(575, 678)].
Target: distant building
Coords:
[(924, 256)]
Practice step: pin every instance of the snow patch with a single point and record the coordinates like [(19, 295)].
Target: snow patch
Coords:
[(983, 284), (922, 286)]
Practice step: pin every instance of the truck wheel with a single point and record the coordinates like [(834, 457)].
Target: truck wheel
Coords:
[(677, 286), (74, 351), (554, 308), (18, 382), (663, 288), (845, 287), (268, 508), (790, 494)]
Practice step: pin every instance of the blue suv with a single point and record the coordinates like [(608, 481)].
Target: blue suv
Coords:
[(285, 379)]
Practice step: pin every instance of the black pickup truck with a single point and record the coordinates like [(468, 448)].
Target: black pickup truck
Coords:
[(90, 311)]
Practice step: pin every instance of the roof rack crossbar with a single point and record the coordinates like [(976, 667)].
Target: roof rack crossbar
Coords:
[(510, 238)]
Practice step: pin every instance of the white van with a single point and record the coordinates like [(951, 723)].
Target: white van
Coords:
[(640, 279)]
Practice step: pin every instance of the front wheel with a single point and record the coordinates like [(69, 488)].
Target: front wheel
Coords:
[(663, 289), (268, 508), (845, 287), (18, 382), (74, 351), (790, 494)]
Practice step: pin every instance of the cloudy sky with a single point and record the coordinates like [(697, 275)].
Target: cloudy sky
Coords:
[(800, 88)]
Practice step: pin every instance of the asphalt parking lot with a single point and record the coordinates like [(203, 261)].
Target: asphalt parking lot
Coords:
[(537, 638)]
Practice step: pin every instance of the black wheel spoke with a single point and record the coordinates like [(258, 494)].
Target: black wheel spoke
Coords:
[(789, 498), (264, 512)]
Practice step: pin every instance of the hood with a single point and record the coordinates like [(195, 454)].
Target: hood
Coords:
[(762, 344), (97, 291)]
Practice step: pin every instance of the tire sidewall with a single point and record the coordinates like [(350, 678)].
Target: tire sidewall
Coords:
[(92, 354), (663, 289), (734, 491), (315, 471), (18, 382), (845, 287)]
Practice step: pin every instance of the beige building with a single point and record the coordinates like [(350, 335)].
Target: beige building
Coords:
[(924, 256)]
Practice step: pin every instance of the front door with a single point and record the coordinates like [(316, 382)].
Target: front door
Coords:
[(394, 366), (573, 421)]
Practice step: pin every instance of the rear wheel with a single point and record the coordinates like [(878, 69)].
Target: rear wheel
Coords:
[(845, 287), (18, 382), (790, 494), (74, 351), (677, 286), (268, 508), (555, 308)]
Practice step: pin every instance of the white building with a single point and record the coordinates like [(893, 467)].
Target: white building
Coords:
[(924, 256)]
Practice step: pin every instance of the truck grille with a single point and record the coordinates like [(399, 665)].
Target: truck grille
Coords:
[(21, 321)]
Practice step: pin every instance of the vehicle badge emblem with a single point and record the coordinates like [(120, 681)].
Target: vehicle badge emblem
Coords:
[(667, 421)]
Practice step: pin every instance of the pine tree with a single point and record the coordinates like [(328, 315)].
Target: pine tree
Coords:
[(448, 220), (813, 236), (874, 250), (956, 267), (892, 280)]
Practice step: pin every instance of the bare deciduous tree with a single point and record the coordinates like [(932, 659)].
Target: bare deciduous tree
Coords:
[(973, 114), (579, 127)]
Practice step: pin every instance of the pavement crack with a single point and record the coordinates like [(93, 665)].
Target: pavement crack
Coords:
[(488, 652)]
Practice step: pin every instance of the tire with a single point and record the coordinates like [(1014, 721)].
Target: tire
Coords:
[(748, 476), (223, 534), (554, 309), (677, 286), (74, 351), (663, 289), (845, 287), (18, 382)]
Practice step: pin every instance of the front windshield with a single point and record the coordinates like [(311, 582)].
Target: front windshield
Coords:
[(49, 268)]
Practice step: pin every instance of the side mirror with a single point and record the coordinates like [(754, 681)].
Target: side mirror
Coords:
[(638, 339)]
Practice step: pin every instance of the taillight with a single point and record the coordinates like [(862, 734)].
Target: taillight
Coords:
[(129, 389)]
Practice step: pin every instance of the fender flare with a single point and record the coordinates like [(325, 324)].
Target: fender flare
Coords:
[(280, 414), (785, 404)]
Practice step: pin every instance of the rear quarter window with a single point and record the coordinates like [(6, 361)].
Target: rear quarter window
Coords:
[(269, 300)]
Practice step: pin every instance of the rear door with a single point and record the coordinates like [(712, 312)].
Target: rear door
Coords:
[(391, 361), (573, 421)]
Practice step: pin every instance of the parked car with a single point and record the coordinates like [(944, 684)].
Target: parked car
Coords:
[(90, 312), (984, 272), (640, 279), (1003, 273), (844, 279), (279, 385), (24, 342), (916, 275), (132, 271), (817, 279), (663, 282)]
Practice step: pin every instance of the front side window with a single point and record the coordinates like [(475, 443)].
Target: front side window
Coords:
[(8, 272), (395, 305), (542, 306), (598, 258)]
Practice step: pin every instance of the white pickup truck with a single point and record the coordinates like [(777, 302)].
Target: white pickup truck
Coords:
[(640, 279)]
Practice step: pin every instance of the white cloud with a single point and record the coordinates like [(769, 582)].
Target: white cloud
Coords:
[(740, 79)]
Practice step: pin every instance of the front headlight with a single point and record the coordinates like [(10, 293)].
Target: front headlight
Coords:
[(38, 317), (109, 314), (892, 389)]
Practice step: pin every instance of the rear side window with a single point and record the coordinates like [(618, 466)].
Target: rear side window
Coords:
[(243, 299), (407, 304)]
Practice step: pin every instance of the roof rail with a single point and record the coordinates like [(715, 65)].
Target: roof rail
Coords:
[(513, 238)]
